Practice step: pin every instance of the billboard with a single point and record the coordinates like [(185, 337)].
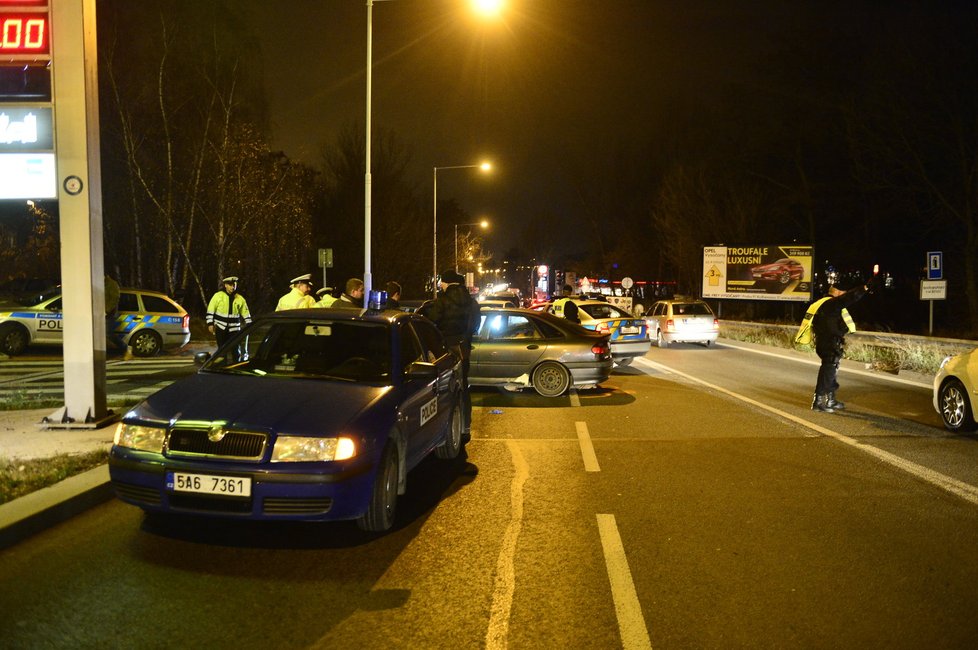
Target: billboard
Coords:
[(765, 272)]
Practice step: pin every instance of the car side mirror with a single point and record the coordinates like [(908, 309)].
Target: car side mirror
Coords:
[(201, 358), (421, 370)]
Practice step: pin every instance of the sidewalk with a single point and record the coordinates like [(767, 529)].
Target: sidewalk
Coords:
[(22, 438)]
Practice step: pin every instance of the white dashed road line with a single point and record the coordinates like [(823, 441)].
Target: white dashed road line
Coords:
[(587, 449), (631, 623)]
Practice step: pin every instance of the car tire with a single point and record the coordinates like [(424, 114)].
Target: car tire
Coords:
[(550, 379), (661, 340), (13, 339), (379, 516), (452, 447), (146, 343), (956, 407)]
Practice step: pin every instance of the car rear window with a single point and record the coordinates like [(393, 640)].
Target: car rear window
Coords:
[(691, 309), (157, 304), (601, 311)]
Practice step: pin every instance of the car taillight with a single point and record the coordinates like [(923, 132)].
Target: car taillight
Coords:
[(716, 324), (602, 327), (601, 348), (186, 321), (670, 325)]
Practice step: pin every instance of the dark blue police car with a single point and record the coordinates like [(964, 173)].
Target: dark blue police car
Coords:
[(313, 414)]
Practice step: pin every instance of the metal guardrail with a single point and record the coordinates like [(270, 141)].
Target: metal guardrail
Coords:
[(882, 339)]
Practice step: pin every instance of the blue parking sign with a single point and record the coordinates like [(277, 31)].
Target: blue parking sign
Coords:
[(935, 265)]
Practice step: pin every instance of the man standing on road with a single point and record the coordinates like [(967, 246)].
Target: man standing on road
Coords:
[(456, 314), (830, 324), (227, 311), (298, 297)]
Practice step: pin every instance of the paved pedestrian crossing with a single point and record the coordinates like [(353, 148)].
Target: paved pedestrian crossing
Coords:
[(126, 381)]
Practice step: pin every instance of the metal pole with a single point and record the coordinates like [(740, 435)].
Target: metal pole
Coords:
[(434, 243), (456, 248), (366, 180)]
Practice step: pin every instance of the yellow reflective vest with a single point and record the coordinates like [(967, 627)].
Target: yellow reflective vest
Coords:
[(227, 314), (295, 299), (804, 334)]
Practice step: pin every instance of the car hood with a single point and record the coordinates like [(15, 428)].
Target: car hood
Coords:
[(298, 406)]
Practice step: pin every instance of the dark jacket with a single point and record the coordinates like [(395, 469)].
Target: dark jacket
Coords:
[(454, 312), (828, 324)]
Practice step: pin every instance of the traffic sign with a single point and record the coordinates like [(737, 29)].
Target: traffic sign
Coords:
[(935, 265)]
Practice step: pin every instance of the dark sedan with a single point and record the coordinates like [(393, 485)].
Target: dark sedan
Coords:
[(312, 414), (525, 348)]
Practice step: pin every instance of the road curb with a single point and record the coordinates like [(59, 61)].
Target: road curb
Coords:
[(34, 512)]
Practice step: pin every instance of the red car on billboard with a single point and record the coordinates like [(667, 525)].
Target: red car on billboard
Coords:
[(784, 271)]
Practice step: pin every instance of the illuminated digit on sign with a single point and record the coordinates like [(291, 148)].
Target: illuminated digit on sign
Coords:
[(24, 34)]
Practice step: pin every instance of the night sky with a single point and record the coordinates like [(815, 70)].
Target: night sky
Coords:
[(548, 91)]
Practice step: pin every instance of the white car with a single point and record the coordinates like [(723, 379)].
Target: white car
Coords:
[(148, 321), (954, 386), (682, 321)]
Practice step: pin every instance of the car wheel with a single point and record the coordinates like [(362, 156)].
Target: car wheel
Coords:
[(623, 362), (13, 339), (956, 407), (551, 379), (784, 278), (145, 343), (453, 440), (707, 343), (661, 340), (383, 496)]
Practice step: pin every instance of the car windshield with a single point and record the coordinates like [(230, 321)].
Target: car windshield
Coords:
[(691, 309), (308, 348), (603, 310), (36, 297)]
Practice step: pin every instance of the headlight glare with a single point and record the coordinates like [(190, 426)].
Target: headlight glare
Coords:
[(137, 436), (300, 449)]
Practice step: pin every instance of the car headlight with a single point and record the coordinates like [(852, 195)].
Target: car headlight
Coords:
[(141, 437), (300, 449)]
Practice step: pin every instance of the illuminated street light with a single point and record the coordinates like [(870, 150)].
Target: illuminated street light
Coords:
[(485, 167), (488, 7), (484, 224)]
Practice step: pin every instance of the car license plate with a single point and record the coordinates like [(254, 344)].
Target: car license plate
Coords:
[(630, 330), (235, 486)]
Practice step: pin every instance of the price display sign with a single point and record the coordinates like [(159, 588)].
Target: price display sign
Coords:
[(24, 33)]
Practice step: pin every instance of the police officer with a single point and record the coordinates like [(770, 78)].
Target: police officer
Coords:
[(566, 307), (227, 311), (830, 323), (456, 314), (326, 298), (298, 297)]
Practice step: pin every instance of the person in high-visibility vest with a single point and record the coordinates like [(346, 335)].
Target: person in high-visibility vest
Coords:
[(326, 298), (227, 311), (565, 307), (830, 323), (298, 297)]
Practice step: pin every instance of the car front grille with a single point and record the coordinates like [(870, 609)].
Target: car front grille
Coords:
[(239, 445), (285, 506), (139, 493)]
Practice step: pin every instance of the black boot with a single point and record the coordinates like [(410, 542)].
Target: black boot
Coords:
[(820, 403), (833, 403)]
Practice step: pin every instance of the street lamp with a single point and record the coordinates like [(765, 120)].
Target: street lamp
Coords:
[(434, 245), (484, 224)]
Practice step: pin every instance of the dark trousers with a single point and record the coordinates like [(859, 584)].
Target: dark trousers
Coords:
[(464, 349), (830, 352), (222, 336)]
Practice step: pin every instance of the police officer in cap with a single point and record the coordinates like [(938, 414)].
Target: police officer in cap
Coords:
[(326, 298), (298, 297), (227, 311)]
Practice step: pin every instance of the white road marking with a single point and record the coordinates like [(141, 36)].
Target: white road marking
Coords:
[(497, 635), (959, 488), (587, 449), (575, 398), (631, 623)]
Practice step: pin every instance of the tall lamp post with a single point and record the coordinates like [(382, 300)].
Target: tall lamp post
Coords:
[(434, 241), (484, 224)]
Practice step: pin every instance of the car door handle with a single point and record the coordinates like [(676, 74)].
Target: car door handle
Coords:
[(533, 346)]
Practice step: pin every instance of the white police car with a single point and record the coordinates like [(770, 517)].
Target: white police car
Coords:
[(147, 321)]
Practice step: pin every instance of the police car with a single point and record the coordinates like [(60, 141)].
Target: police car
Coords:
[(147, 321), (627, 334), (306, 414)]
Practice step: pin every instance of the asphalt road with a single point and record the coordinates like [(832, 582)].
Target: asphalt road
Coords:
[(692, 502)]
